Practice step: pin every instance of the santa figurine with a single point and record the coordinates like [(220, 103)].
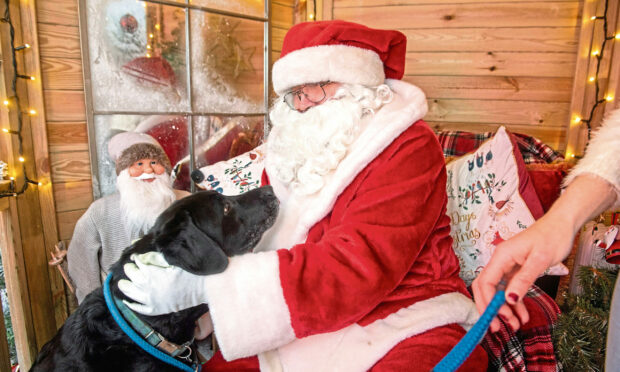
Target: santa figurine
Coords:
[(113, 222), (358, 271)]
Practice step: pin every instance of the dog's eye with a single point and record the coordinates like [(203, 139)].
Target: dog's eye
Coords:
[(227, 208)]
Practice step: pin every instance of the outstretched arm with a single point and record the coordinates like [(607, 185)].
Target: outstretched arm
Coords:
[(523, 258)]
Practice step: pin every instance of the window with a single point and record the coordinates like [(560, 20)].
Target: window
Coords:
[(190, 73)]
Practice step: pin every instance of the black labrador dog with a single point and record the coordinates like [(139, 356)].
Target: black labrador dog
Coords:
[(196, 233)]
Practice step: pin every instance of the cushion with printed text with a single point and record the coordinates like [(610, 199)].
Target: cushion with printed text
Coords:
[(490, 199)]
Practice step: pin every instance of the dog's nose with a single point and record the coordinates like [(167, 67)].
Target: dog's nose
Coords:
[(197, 176)]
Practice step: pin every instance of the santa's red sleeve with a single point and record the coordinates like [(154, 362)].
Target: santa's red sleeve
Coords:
[(350, 262)]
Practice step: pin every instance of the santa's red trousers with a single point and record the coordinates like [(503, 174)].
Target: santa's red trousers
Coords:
[(418, 353)]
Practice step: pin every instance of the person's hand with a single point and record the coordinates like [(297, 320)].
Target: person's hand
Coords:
[(160, 288), (520, 261)]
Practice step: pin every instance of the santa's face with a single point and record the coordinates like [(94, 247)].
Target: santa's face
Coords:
[(146, 169)]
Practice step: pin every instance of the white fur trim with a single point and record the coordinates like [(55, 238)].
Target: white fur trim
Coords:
[(407, 107), (247, 306), (340, 63), (356, 348), (603, 155)]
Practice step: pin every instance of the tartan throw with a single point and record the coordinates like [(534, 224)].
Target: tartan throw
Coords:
[(458, 143), (531, 347)]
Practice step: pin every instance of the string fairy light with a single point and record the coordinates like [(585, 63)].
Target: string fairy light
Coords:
[(598, 54), (13, 101)]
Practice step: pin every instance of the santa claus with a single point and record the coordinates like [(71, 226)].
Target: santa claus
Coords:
[(111, 223), (358, 272)]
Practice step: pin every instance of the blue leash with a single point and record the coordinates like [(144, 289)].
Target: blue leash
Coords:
[(461, 351), (107, 294)]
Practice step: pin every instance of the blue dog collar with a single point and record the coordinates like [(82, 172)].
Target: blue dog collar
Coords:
[(114, 304)]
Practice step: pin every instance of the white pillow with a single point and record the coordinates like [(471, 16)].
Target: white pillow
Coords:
[(490, 199)]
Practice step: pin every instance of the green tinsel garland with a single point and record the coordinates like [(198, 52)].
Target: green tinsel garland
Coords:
[(581, 331)]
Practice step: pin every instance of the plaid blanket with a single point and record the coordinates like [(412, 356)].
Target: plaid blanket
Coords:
[(457, 143), (531, 347)]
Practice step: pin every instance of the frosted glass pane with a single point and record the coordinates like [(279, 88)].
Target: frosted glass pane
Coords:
[(227, 64), (137, 56), (247, 7), (170, 131)]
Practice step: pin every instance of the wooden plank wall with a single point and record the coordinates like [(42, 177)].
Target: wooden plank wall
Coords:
[(483, 63), (63, 88)]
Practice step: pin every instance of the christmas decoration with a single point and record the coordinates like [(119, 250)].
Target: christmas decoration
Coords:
[(13, 103), (598, 54), (579, 336)]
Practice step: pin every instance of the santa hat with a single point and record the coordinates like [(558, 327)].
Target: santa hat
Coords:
[(338, 51), (128, 147)]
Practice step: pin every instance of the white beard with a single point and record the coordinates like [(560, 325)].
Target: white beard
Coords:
[(142, 202), (303, 148)]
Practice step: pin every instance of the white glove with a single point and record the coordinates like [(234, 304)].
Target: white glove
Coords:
[(159, 287)]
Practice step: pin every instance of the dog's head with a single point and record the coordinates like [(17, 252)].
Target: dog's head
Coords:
[(199, 232)]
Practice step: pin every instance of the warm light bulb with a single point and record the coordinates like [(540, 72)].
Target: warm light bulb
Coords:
[(32, 78), (609, 98), (311, 16), (27, 45), (617, 36), (157, 26), (595, 53), (12, 178), (148, 47), (577, 119), (6, 102), (151, 36), (32, 112), (592, 79), (5, 130), (148, 55), (572, 155), (39, 184), (592, 18), (21, 159)]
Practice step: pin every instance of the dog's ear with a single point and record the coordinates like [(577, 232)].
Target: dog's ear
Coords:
[(186, 246)]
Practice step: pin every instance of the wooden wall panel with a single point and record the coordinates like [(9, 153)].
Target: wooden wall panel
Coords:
[(59, 41), (71, 196), (58, 12), (509, 39), (67, 136), (63, 90), (491, 14), (62, 74), (521, 88), (65, 105), (490, 64), (67, 221), (484, 63), (70, 166)]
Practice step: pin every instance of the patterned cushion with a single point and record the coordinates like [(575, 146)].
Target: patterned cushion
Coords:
[(490, 199), (237, 175)]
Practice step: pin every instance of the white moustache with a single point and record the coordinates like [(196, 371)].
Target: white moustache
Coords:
[(145, 176)]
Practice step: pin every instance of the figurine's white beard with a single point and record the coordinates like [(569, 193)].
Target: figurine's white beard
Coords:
[(303, 148), (142, 202)]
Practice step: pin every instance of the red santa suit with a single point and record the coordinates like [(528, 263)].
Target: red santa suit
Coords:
[(356, 269)]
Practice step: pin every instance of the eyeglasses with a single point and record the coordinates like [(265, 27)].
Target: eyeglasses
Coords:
[(314, 93)]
